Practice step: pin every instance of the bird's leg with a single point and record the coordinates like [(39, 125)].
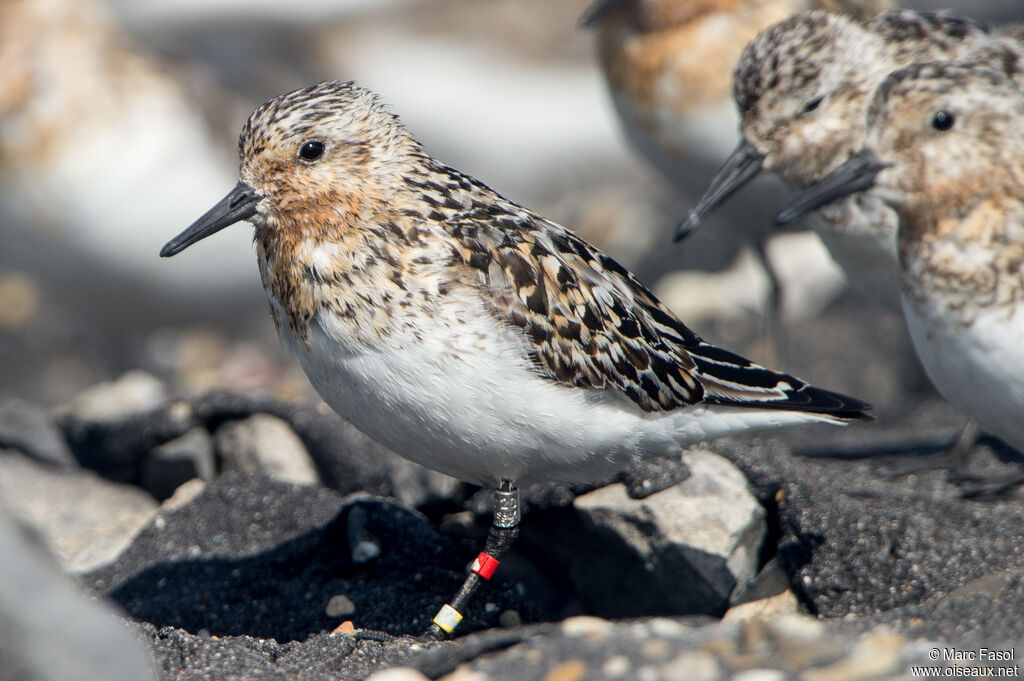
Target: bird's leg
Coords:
[(952, 458), (772, 329), (500, 537)]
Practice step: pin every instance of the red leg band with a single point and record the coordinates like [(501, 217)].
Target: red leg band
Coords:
[(484, 565)]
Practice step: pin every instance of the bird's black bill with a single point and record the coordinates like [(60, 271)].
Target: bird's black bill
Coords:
[(855, 175), (597, 11), (741, 167), (239, 204)]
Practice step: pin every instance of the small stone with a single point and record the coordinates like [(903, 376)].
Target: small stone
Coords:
[(759, 675), (340, 605), (570, 670), (588, 626), (691, 665), (510, 619), (875, 655), (665, 627), (182, 496), (346, 628), (616, 666), (397, 674), (20, 296), (134, 392), (796, 628), (765, 608), (656, 648), (465, 673), (363, 546), (265, 443)]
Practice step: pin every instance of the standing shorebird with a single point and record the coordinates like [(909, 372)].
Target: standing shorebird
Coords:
[(802, 89), (669, 65), (945, 148), (465, 332)]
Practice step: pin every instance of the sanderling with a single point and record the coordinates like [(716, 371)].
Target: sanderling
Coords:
[(464, 331), (89, 120), (668, 65), (802, 89), (943, 149)]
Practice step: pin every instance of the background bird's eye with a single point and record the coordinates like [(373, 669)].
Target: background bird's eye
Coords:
[(812, 104), (943, 120), (311, 150)]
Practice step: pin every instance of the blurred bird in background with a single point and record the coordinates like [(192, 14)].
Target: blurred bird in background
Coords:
[(668, 65)]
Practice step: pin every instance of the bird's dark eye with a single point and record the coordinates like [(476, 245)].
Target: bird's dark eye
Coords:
[(943, 120), (812, 104), (311, 150)]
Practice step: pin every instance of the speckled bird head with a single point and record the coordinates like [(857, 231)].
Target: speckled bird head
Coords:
[(802, 87), (952, 133), (320, 146), (942, 140), (323, 157)]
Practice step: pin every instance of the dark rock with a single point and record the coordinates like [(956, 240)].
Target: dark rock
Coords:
[(855, 543), (114, 448), (167, 467)]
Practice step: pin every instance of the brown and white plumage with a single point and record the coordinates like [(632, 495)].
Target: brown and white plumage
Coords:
[(944, 148), (802, 89), (463, 330)]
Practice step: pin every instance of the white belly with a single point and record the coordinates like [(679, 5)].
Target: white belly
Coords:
[(460, 399), (979, 368), (860, 234)]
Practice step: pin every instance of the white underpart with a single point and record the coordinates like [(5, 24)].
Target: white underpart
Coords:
[(860, 234), (461, 400), (977, 367)]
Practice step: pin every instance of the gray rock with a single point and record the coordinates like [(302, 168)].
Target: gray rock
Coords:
[(265, 443), (49, 630), (132, 393), (695, 541), (30, 429), (85, 520), (174, 463)]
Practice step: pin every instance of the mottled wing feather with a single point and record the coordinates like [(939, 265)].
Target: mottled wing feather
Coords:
[(589, 323)]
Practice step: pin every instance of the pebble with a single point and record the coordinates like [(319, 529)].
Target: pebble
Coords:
[(510, 619), (691, 665), (20, 296), (134, 392), (616, 666), (397, 674), (569, 670), (185, 493), (340, 605), (587, 626)]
